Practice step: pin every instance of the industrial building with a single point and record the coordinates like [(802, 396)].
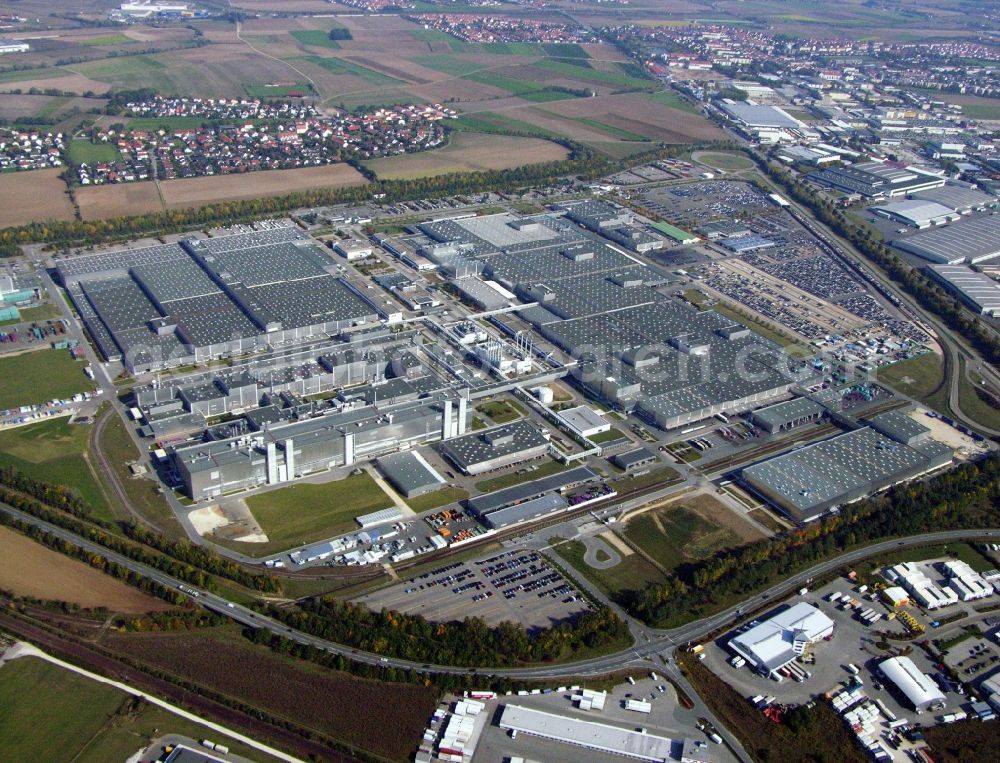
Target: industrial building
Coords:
[(529, 500), (13, 46), (900, 426), (584, 420), (658, 359), (611, 222), (876, 180), (634, 460), (916, 686), (928, 594), (807, 482), (958, 197), (787, 415), (287, 450), (754, 117), (778, 640), (495, 448), (176, 304), (353, 249), (967, 584), (977, 291), (969, 241), (613, 740), (409, 473), (917, 213)]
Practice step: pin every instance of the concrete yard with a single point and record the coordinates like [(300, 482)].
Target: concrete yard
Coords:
[(456, 591)]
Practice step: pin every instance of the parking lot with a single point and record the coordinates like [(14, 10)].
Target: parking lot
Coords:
[(517, 586)]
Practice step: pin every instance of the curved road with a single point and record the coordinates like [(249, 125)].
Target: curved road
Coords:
[(660, 640)]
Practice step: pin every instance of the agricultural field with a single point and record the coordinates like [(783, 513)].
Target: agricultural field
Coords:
[(53, 714), (55, 451), (289, 688), (103, 201), (46, 107), (306, 512), (468, 152), (41, 375), (195, 192), (32, 570), (36, 195)]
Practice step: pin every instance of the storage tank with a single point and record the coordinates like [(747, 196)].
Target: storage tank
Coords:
[(544, 394)]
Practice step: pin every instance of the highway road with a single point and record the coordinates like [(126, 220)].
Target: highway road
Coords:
[(662, 642)]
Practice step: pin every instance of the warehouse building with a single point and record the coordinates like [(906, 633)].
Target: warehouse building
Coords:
[(611, 740), (958, 197), (967, 584), (809, 481), (898, 425), (176, 304), (285, 451), (977, 291), (917, 687), (875, 180), (529, 500), (928, 594), (409, 473), (753, 116), (787, 415), (495, 448), (778, 640), (917, 213), (971, 241)]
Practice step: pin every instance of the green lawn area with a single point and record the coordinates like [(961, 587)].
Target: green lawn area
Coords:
[(676, 534), (989, 111), (501, 411), (611, 434), (39, 376), (52, 714), (632, 573), (441, 497), (977, 408), (726, 161), (53, 451), (695, 297), (916, 377), (544, 469), (316, 37), (42, 312), (306, 513), (616, 149), (765, 331), (83, 151), (340, 66), (109, 39)]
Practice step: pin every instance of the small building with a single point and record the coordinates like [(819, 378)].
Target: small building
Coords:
[(787, 415), (899, 426), (495, 448), (353, 249), (381, 517), (409, 473), (918, 688), (584, 420), (896, 596), (635, 459)]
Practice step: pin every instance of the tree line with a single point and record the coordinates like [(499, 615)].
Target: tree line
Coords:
[(469, 642), (967, 497)]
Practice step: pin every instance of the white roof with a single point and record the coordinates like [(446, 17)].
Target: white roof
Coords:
[(769, 644), (917, 211), (583, 418), (917, 686), (596, 736)]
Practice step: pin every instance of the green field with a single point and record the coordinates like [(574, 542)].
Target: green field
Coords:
[(438, 498), (129, 72), (674, 535), (315, 37), (39, 376), (975, 407), (109, 39), (726, 161), (340, 66), (616, 132), (52, 715), (673, 100), (53, 451), (916, 377), (83, 151), (305, 513), (171, 123), (32, 74), (280, 91), (658, 476), (544, 469), (501, 411), (614, 77), (43, 312), (446, 64), (632, 573), (990, 111), (611, 434), (490, 122)]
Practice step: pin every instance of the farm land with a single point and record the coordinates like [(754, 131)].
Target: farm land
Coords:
[(221, 660)]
